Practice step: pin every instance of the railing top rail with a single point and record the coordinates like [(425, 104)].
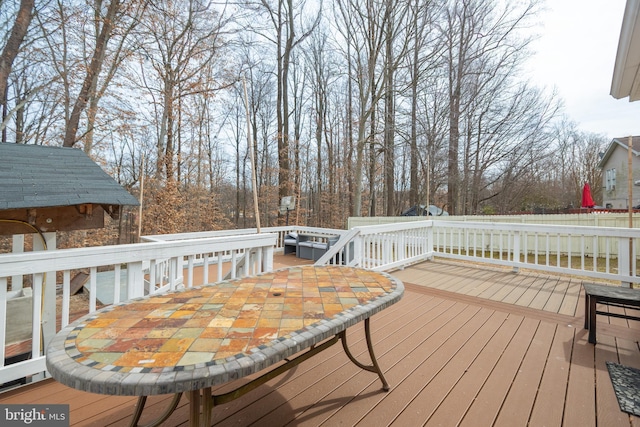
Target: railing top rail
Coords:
[(392, 227), (63, 259), (221, 233), (197, 235), (545, 228)]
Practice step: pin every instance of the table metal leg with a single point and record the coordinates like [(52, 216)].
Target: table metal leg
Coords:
[(374, 367), (194, 408), (200, 407), (586, 310), (592, 319), (142, 400), (201, 402), (207, 406)]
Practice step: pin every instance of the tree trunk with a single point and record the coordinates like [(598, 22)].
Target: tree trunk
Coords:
[(169, 150), (318, 135), (11, 49), (389, 127), (92, 74), (413, 138), (372, 160)]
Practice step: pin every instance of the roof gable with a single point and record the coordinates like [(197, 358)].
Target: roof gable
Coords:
[(36, 176), (620, 142)]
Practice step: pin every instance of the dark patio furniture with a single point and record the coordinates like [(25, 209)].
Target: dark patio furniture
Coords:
[(614, 296)]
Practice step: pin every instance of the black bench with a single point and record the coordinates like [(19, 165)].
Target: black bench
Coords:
[(291, 243), (615, 296), (309, 245)]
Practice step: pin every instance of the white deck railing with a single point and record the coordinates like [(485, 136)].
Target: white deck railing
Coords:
[(168, 261), (383, 247), (603, 253), (150, 268)]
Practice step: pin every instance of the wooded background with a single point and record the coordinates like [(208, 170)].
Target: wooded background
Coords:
[(356, 107)]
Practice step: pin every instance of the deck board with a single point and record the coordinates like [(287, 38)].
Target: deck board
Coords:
[(458, 401), (523, 287), (554, 302), (580, 408), (486, 406), (461, 348), (552, 388), (609, 413), (409, 350)]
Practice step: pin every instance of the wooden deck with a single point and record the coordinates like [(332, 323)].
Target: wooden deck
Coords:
[(465, 346)]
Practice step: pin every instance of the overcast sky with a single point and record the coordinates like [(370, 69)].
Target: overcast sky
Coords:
[(576, 54)]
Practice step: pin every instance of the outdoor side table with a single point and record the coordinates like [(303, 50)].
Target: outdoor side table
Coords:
[(191, 340), (615, 296)]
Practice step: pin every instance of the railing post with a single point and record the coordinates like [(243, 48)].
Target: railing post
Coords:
[(357, 251), (624, 266), (190, 259), (37, 345), (117, 285), (3, 318), (48, 292), (387, 248), (18, 247), (267, 258), (247, 262), (205, 268), (516, 252), (93, 288), (234, 264), (135, 280)]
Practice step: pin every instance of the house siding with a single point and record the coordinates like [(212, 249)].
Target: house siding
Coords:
[(618, 196)]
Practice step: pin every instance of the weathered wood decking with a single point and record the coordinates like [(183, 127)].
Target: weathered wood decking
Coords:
[(466, 346)]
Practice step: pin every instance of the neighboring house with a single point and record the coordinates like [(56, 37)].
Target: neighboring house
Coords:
[(615, 173)]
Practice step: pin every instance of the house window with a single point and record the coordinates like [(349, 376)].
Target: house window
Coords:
[(610, 179)]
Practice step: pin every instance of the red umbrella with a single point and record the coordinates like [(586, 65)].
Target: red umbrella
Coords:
[(587, 200)]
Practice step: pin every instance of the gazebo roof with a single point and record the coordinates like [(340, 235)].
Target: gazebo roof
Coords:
[(36, 176)]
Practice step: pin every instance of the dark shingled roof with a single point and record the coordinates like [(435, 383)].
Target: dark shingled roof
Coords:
[(36, 176)]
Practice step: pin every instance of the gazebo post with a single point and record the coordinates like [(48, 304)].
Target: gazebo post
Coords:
[(18, 247), (49, 293)]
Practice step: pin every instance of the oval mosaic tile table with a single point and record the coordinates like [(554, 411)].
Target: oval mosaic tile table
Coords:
[(191, 340)]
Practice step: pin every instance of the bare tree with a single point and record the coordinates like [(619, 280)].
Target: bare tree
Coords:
[(108, 23), (130, 16), (480, 37), (183, 39), (12, 47), (420, 62), (287, 35), (362, 29)]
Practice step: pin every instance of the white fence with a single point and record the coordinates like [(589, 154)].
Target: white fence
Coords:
[(150, 268)]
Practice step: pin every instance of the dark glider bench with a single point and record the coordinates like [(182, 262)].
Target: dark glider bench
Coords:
[(291, 244), (313, 247), (615, 296), (308, 246)]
